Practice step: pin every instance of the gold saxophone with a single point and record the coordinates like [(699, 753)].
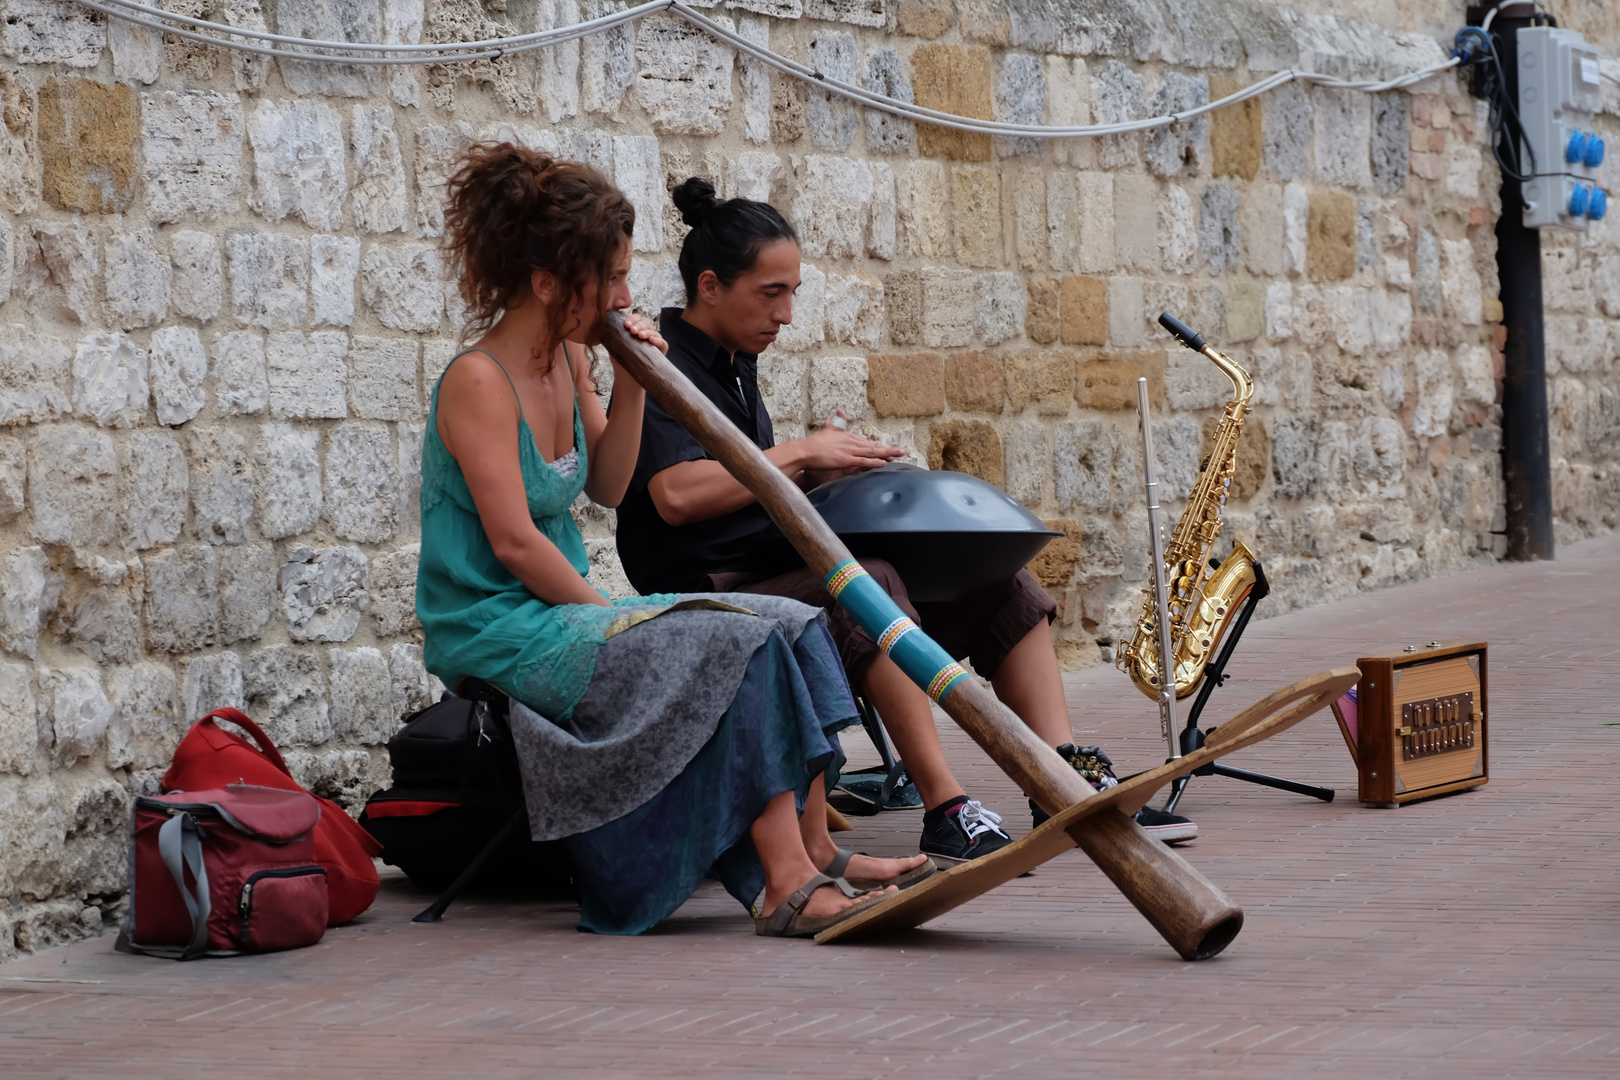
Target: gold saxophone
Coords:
[(1202, 600)]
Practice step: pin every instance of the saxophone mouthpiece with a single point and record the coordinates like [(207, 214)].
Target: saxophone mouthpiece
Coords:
[(1183, 333)]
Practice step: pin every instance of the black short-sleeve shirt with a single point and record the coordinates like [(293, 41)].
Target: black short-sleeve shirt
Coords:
[(658, 556)]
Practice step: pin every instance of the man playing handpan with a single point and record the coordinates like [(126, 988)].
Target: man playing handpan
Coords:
[(686, 525)]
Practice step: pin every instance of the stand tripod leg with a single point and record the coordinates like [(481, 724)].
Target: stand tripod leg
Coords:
[(1323, 793)]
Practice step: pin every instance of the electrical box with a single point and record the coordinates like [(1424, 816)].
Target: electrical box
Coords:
[(1559, 98)]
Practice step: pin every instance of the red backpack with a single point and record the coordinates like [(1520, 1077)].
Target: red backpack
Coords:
[(211, 757)]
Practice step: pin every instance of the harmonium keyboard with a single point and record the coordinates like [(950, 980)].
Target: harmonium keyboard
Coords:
[(1416, 722)]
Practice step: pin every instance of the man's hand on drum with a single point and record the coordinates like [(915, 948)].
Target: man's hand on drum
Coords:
[(834, 451)]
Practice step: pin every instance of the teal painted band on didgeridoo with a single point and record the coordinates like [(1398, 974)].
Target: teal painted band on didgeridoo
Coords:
[(916, 654)]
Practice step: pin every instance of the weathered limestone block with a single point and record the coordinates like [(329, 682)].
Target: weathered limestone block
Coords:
[(240, 384), (924, 18), (289, 479), (286, 693), (1392, 142), (1460, 283), (404, 287), (213, 682), (382, 378), (334, 263), (639, 173), (1427, 290), (436, 151), (393, 590), (1043, 319), (1219, 237), (1021, 99), (886, 74), (954, 79), (191, 146), (1027, 449), (221, 491), (1379, 457), (1192, 382), (71, 254), (974, 382), (1084, 311), (360, 483), (323, 592), (949, 304), (782, 379), (1477, 375), (269, 279), (87, 140), (1182, 148), (330, 20), (684, 80), (412, 687), (298, 161), (1236, 132), (1178, 231), (752, 175), (197, 274), (29, 593), (247, 580), (109, 380), (305, 374), (1245, 311), (19, 730), (1118, 95), (80, 713), (344, 776), (925, 210), (809, 326), (1124, 310), (608, 61), (837, 382), (968, 446), (1250, 467), (182, 599), (1434, 393), (1293, 457), (1286, 129), (1108, 383), (1043, 380), (854, 12), (560, 63), (1296, 210), (1332, 236), (13, 477), (178, 365), (1001, 309), (1262, 226), (1391, 320), (53, 32), (1026, 191), (137, 52), (1094, 465), (34, 372), (911, 384), (71, 486), (832, 207), (1343, 141), (153, 489), (976, 214), (854, 310), (832, 119), (145, 726), (362, 696)]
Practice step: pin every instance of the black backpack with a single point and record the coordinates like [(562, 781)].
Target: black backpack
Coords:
[(454, 818)]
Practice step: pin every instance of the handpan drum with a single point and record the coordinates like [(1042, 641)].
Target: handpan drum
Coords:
[(948, 534)]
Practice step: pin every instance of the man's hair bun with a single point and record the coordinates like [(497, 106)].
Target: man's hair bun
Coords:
[(695, 199)]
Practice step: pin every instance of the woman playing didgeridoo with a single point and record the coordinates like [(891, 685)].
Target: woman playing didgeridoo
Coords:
[(663, 738)]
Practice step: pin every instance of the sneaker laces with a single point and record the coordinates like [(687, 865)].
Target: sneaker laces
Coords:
[(976, 820)]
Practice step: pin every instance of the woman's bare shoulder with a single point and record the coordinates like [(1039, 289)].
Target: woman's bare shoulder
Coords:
[(475, 380)]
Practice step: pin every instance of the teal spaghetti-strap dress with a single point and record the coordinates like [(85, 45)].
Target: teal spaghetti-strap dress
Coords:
[(651, 732)]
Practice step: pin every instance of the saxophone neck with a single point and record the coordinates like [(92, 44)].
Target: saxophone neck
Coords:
[(1242, 385)]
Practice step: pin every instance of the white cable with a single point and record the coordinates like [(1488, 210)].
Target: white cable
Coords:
[(341, 52)]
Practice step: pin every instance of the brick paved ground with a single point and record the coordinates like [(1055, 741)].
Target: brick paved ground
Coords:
[(1470, 935)]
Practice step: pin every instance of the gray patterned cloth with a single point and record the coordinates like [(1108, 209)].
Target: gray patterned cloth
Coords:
[(658, 692)]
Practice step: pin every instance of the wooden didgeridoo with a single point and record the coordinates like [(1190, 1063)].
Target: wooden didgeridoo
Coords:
[(1195, 917)]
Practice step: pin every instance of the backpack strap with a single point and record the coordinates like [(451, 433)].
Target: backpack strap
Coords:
[(180, 847), (243, 721)]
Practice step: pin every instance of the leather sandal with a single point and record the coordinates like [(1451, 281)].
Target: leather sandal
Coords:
[(840, 863), (789, 919)]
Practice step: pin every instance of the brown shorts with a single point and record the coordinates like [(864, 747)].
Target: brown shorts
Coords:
[(983, 627)]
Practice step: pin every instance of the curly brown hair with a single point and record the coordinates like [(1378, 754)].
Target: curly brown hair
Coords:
[(511, 211)]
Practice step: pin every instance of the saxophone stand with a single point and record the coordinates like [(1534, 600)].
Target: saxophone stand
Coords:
[(1192, 738)]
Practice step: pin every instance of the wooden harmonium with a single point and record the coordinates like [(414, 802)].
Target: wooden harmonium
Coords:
[(1415, 723)]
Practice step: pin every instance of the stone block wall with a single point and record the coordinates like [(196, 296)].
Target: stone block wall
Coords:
[(223, 308)]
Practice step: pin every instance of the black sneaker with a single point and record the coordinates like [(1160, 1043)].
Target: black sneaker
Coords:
[(1171, 828), (965, 831), (1091, 763)]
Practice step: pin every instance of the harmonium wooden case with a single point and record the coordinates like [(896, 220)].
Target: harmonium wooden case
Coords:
[(1416, 726)]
